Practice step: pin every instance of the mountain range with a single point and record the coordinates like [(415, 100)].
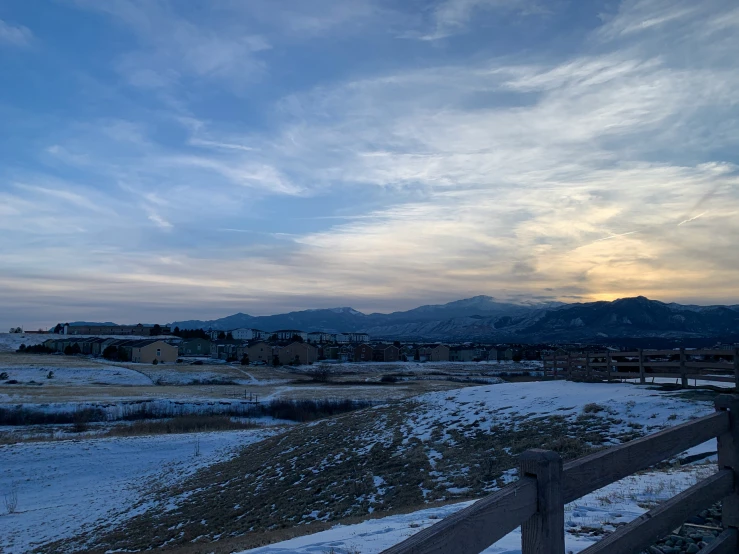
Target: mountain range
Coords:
[(484, 318)]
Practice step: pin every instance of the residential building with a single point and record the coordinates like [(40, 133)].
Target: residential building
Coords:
[(288, 334), (357, 337), (462, 354), (481, 354), (341, 338), (363, 353), (505, 354), (439, 353), (248, 334), (195, 347), (319, 337), (260, 352), (331, 352), (146, 351), (223, 349), (298, 353), (346, 353), (386, 353)]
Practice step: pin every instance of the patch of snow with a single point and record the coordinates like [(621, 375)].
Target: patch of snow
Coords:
[(65, 487)]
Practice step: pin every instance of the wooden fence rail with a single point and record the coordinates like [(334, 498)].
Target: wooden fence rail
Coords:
[(536, 501), (681, 365)]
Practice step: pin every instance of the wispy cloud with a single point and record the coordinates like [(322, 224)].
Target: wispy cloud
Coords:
[(683, 222), (15, 35), (159, 221), (450, 17), (504, 174)]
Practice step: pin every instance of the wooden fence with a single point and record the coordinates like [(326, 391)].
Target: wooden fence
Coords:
[(682, 365), (537, 500)]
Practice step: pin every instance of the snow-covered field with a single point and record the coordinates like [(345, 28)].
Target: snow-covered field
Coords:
[(619, 502), (460, 409), (9, 342), (67, 488), (66, 376)]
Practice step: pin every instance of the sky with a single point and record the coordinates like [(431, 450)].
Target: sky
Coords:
[(168, 160)]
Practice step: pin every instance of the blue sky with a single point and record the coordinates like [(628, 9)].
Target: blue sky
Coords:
[(169, 160)]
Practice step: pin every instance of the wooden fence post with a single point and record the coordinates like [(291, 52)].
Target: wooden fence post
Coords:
[(728, 457), (587, 366), (569, 365), (642, 380), (608, 366), (683, 370), (736, 367), (543, 533)]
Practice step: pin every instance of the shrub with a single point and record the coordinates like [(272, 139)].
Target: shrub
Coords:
[(592, 408), (389, 379), (155, 361), (11, 499), (24, 416), (35, 349), (320, 375), (50, 375), (3, 375)]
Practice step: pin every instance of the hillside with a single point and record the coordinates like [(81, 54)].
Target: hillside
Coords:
[(432, 449)]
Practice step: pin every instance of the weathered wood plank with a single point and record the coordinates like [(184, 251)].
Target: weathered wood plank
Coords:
[(655, 524), (624, 375), (725, 543), (728, 366), (661, 352), (717, 378), (543, 533), (709, 352), (599, 469), (473, 529), (728, 455)]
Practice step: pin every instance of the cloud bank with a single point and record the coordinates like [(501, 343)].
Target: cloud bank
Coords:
[(239, 159)]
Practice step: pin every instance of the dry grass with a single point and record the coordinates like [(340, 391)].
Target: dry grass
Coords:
[(329, 469), (176, 425)]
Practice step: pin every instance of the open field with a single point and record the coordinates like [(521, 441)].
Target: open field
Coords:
[(81, 379), (66, 488), (435, 449)]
